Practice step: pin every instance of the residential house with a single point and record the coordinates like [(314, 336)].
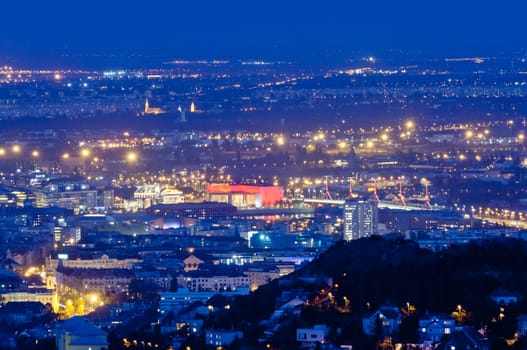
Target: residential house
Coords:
[(432, 328), (221, 337), (386, 320), (310, 337), (467, 338)]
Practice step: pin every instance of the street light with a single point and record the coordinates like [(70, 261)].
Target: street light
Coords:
[(131, 157), (85, 152)]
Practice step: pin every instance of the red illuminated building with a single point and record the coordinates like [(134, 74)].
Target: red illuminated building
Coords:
[(246, 196)]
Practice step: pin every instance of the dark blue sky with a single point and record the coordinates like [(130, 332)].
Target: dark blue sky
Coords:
[(215, 28)]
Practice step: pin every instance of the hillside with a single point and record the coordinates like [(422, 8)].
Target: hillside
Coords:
[(368, 273)]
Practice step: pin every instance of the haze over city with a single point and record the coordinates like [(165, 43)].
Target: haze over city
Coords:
[(271, 30)]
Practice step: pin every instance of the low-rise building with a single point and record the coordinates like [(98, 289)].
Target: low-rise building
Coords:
[(18, 313), (44, 296), (221, 337), (467, 338), (310, 337), (192, 263), (213, 281), (104, 281), (259, 276), (183, 297), (386, 320), (433, 328), (104, 262), (77, 333), (151, 194)]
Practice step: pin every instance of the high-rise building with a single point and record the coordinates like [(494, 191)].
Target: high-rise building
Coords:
[(360, 219)]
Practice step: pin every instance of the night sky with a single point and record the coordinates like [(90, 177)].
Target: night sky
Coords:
[(212, 28)]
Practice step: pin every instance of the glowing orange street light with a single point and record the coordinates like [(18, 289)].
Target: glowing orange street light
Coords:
[(131, 157), (85, 152)]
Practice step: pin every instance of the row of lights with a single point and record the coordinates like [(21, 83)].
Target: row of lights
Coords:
[(85, 153), (16, 149), (409, 125)]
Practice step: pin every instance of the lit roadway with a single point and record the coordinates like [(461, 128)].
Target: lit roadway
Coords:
[(337, 202), (500, 221), (381, 204)]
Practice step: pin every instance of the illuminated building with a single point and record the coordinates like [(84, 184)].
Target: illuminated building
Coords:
[(192, 263), (433, 328), (105, 262), (360, 219), (205, 210), (278, 240), (104, 281), (221, 337), (44, 296), (390, 320), (15, 197), (310, 337), (260, 274), (183, 297), (76, 196), (152, 110), (192, 108), (216, 282), (66, 235), (155, 194), (246, 196)]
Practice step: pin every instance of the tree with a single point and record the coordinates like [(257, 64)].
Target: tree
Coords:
[(144, 291)]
